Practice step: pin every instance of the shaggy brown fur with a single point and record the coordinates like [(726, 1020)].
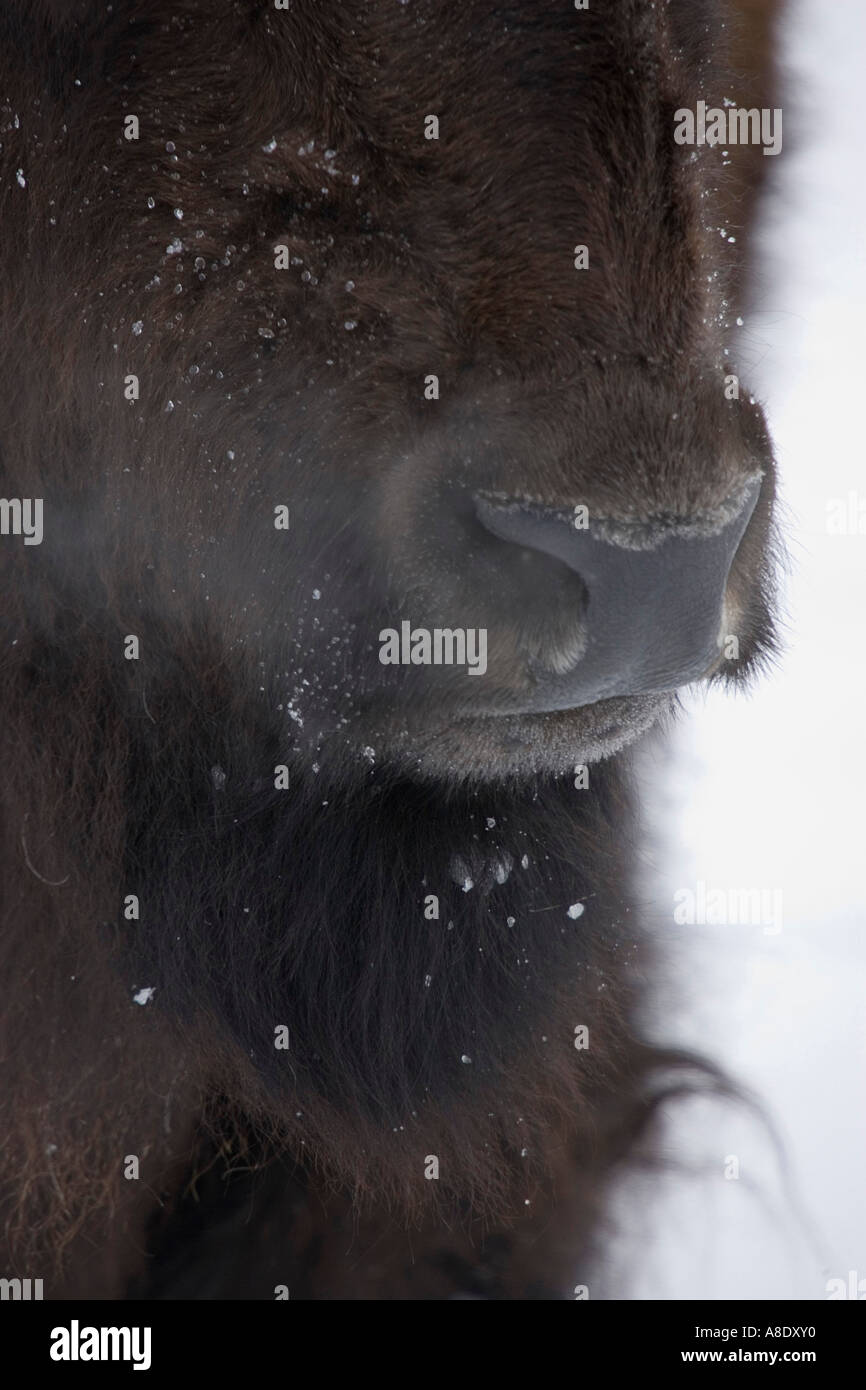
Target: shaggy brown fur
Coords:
[(261, 907)]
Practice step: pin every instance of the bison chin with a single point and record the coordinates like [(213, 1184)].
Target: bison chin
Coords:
[(396, 971)]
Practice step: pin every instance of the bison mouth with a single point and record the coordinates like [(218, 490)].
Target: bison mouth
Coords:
[(475, 747), (561, 741)]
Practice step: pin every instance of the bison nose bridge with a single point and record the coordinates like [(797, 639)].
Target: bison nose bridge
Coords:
[(655, 592)]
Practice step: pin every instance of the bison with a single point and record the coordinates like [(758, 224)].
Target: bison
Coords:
[(374, 472)]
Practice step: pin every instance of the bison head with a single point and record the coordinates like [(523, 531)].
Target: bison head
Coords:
[(399, 317)]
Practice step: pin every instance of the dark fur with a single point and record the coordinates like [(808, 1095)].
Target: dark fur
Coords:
[(262, 907)]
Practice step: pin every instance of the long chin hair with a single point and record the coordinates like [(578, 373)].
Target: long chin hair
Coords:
[(451, 974), (390, 970)]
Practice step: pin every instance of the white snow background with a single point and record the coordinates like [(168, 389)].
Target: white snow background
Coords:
[(768, 789)]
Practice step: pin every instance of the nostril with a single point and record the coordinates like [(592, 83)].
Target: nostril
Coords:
[(543, 602), (651, 619)]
